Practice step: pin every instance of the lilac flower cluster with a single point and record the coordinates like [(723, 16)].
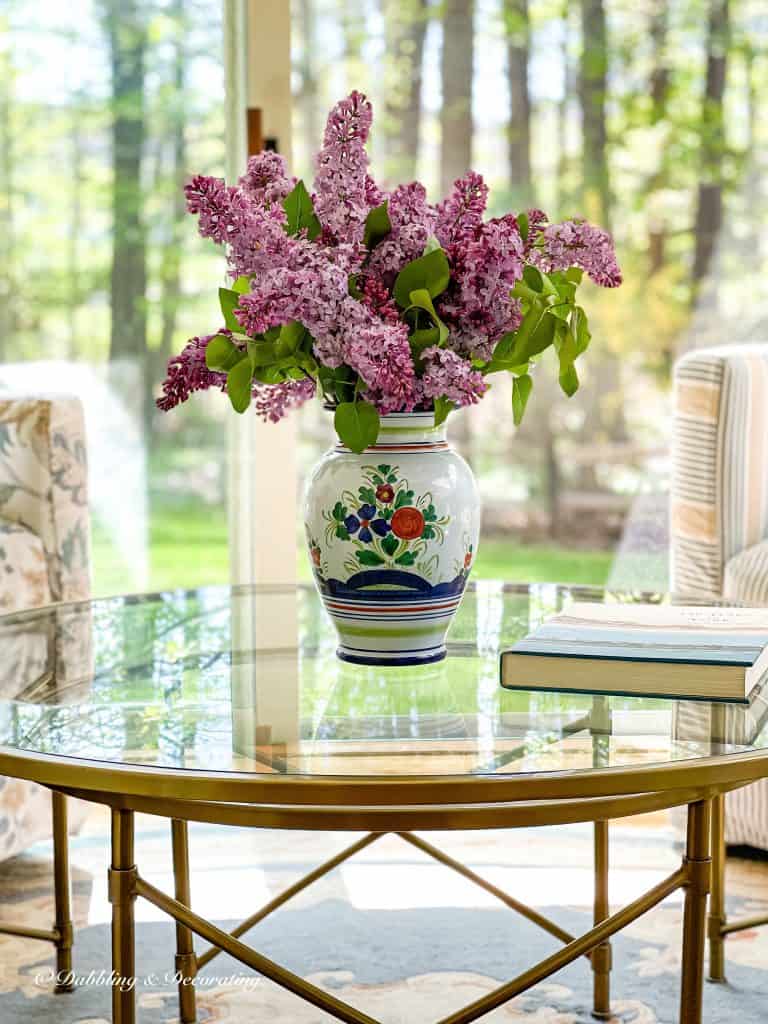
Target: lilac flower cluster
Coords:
[(273, 401), (187, 373), (449, 376), (575, 243), (322, 268)]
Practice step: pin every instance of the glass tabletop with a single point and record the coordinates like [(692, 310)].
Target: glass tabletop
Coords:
[(246, 680)]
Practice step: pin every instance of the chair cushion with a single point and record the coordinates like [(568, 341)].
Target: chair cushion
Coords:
[(23, 569), (746, 575)]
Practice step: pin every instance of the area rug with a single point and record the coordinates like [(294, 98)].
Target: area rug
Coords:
[(401, 966)]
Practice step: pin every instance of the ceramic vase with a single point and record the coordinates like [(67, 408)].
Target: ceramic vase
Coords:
[(392, 536)]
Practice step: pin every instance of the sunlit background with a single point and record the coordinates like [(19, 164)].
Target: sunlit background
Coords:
[(654, 127)]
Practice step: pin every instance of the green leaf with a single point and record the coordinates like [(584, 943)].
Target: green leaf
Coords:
[(422, 300), (342, 532), (429, 533), (239, 385), (352, 288), (532, 277), (580, 328), (367, 495), (430, 272), (432, 243), (262, 353), (369, 558), (522, 224), (384, 469), (242, 285), (291, 336), (536, 333), (377, 226), (339, 511), (404, 498), (407, 558), (442, 408), (222, 354), (390, 544), (569, 380), (574, 274), (300, 212), (228, 300), (357, 424), (521, 392)]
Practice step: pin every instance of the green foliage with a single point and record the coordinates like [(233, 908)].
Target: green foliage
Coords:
[(222, 354), (239, 380), (300, 212), (377, 225), (521, 392), (357, 424), (442, 410), (228, 300), (430, 272)]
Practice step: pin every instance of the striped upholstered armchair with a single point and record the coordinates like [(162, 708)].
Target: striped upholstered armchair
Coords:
[(719, 506)]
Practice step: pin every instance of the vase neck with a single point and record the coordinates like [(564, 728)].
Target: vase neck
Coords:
[(414, 431)]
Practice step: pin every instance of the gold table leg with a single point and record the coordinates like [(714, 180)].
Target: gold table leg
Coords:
[(601, 956), (122, 895), (699, 869), (717, 918), (186, 961), (62, 927)]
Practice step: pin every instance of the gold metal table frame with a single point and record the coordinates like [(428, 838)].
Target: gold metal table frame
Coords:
[(403, 806)]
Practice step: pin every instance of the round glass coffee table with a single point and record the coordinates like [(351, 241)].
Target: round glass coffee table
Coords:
[(229, 706)]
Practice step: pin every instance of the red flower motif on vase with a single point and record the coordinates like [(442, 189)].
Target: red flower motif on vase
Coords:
[(408, 523), (385, 493)]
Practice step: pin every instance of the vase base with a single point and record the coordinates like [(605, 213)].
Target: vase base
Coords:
[(357, 657)]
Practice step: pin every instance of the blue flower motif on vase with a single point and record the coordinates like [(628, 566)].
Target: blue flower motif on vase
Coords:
[(365, 524)]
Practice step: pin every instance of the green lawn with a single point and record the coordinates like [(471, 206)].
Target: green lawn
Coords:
[(189, 547)]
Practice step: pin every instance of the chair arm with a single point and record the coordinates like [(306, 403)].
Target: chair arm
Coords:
[(719, 500), (43, 485)]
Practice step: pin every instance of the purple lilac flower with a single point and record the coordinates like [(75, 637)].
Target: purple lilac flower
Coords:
[(447, 374), (461, 213), (266, 179), (187, 372), (273, 401), (537, 221), (342, 183), (220, 207), (479, 308), (381, 354), (575, 243), (377, 298), (413, 221)]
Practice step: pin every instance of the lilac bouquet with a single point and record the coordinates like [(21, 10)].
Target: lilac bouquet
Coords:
[(381, 302)]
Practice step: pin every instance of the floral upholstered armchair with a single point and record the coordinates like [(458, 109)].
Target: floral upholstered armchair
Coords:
[(44, 558), (719, 506)]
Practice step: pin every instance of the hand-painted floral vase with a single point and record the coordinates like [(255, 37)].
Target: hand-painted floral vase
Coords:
[(392, 535)]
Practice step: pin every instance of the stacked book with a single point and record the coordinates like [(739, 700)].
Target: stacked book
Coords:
[(685, 652)]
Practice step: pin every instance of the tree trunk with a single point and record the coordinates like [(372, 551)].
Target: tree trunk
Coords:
[(564, 192), (457, 64), (518, 31), (709, 209), (127, 35), (593, 74), (405, 24), (75, 229), (170, 271), (659, 91)]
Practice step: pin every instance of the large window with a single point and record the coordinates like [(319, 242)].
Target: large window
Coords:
[(105, 106), (646, 117)]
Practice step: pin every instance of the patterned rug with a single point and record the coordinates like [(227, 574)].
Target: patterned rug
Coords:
[(394, 935)]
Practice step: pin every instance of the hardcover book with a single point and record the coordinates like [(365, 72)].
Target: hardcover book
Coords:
[(680, 651)]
